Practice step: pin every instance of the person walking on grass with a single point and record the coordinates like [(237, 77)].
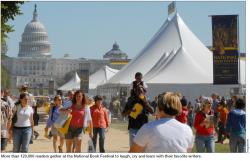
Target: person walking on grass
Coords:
[(204, 126), (75, 131), (31, 103), (236, 127), (100, 121), (6, 115), (53, 116), (223, 113), (137, 109), (22, 125)]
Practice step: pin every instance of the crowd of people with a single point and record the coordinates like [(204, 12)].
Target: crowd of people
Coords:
[(178, 125)]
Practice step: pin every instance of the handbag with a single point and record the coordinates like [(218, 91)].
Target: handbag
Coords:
[(14, 118), (65, 128), (91, 148)]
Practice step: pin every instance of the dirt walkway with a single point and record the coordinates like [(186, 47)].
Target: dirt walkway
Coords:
[(115, 141)]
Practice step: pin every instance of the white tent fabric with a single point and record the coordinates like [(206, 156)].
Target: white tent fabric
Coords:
[(173, 55), (72, 84), (101, 76)]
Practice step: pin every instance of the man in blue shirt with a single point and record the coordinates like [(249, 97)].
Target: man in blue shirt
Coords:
[(236, 127)]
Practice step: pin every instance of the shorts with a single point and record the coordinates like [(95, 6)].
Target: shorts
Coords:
[(74, 132), (3, 143), (55, 132)]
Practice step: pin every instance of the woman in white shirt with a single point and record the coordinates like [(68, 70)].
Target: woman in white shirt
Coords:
[(165, 135), (22, 127)]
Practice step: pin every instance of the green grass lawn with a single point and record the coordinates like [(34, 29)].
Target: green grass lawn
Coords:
[(219, 148)]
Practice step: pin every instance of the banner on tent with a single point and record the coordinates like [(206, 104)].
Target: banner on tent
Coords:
[(225, 49), (84, 76), (51, 87)]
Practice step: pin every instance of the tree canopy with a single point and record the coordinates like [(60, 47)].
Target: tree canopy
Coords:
[(9, 10)]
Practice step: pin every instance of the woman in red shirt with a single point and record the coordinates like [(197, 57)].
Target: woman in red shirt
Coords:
[(204, 126), (75, 131), (100, 122)]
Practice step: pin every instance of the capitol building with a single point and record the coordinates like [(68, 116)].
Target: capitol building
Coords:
[(36, 67)]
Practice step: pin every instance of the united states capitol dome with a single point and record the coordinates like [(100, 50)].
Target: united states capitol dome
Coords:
[(34, 41), (34, 26)]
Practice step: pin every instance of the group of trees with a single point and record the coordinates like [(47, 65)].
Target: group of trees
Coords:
[(9, 10)]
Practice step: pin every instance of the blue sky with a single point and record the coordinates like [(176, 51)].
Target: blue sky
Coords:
[(89, 29)]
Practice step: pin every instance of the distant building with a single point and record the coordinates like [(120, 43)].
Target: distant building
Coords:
[(115, 53), (117, 57), (35, 66), (34, 41)]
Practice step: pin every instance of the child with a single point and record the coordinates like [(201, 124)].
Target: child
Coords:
[(222, 110)]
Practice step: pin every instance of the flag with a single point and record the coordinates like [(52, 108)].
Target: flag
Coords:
[(171, 7)]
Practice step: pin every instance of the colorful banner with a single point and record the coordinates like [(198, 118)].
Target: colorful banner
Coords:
[(84, 76), (225, 49)]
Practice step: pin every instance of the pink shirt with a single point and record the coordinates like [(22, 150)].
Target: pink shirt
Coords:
[(78, 115)]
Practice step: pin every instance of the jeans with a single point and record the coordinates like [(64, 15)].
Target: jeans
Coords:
[(237, 144), (221, 132), (205, 143), (21, 139), (101, 132), (4, 142), (132, 133)]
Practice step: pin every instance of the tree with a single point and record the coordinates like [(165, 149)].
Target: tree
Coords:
[(9, 9), (5, 78)]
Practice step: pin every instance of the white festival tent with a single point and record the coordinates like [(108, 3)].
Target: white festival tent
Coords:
[(72, 84), (175, 50), (173, 60), (101, 76)]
